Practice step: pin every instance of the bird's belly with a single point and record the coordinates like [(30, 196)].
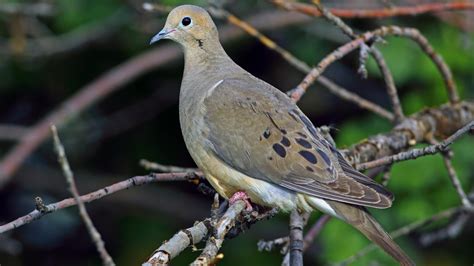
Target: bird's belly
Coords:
[(226, 181)]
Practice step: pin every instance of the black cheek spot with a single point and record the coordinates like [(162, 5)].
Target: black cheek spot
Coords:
[(309, 169), (324, 156), (280, 150), (303, 143), (310, 157), (266, 133), (285, 141), (270, 158)]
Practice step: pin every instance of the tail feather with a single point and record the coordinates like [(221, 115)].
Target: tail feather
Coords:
[(359, 218)]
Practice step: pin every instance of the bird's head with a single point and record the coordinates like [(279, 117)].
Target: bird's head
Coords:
[(188, 25)]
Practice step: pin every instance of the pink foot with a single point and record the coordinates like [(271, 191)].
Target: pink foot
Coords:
[(241, 195)]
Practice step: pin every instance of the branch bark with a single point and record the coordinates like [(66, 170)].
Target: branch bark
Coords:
[(93, 232), (98, 194), (377, 12)]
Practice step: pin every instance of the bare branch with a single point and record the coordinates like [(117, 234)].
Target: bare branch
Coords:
[(438, 122), (30, 9), (415, 153), (222, 227), (296, 238), (454, 177), (315, 230), (98, 194), (379, 12), (179, 242), (387, 75), (281, 242), (93, 232), (12, 132), (309, 237), (452, 230), (148, 165), (370, 36)]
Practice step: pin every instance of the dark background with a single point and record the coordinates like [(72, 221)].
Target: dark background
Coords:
[(105, 142)]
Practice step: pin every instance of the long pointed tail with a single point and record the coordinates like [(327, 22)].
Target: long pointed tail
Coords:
[(359, 218)]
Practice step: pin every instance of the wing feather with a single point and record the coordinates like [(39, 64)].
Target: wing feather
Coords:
[(263, 134)]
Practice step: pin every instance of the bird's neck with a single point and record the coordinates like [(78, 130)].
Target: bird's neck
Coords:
[(206, 61)]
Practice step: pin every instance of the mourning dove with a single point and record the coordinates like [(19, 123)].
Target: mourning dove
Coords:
[(253, 143)]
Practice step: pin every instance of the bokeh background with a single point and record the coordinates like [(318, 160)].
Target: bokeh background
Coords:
[(46, 58)]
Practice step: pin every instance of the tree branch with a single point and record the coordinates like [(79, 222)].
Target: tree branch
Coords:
[(93, 232), (371, 36), (98, 194), (376, 12), (387, 75), (415, 153), (296, 238)]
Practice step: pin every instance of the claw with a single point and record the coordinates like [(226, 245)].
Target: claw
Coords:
[(241, 195)]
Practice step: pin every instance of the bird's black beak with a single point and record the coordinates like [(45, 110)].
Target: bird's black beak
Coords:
[(161, 35)]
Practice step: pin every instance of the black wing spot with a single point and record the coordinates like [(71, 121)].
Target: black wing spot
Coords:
[(309, 156), (285, 141), (324, 156), (267, 133), (303, 143), (303, 135), (310, 169), (283, 131), (280, 150)]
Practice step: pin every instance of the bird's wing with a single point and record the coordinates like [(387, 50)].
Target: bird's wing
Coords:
[(259, 131)]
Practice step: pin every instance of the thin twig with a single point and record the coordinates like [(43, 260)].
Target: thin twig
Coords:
[(455, 179), (155, 7), (296, 238), (29, 9), (387, 75), (452, 230), (98, 194), (223, 225), (179, 242), (12, 132), (309, 237), (93, 232), (369, 36), (439, 122), (148, 165), (315, 230), (302, 66), (377, 12), (281, 242), (415, 153)]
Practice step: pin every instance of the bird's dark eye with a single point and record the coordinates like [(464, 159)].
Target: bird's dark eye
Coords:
[(186, 21)]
